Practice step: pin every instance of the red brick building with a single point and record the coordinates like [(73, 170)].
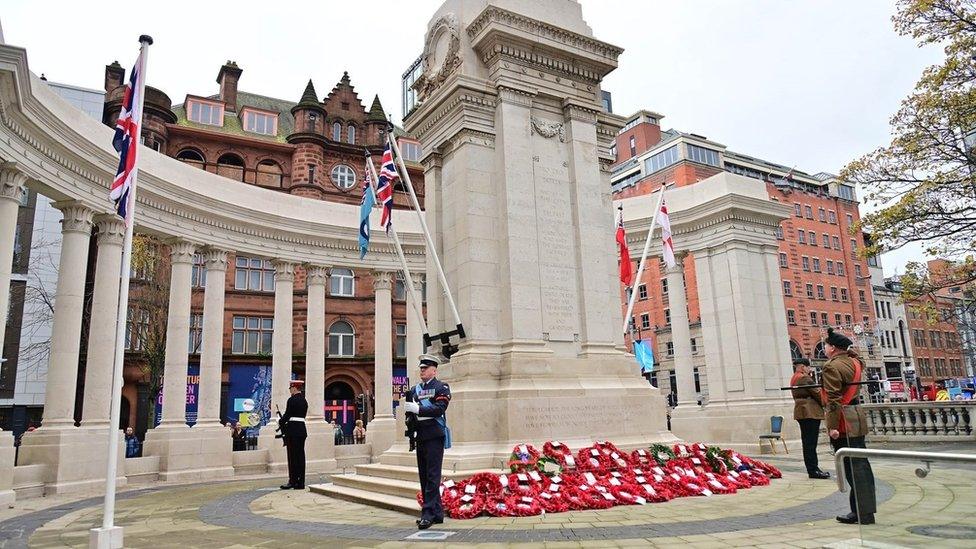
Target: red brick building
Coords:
[(825, 282), (934, 327), (310, 147)]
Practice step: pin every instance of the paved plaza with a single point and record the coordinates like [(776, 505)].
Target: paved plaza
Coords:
[(792, 512)]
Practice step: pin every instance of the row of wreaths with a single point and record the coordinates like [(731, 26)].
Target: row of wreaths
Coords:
[(600, 476)]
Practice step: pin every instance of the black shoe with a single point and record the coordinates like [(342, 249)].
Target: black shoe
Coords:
[(286, 487), (850, 518), (818, 474), (433, 521), (424, 524), (867, 518)]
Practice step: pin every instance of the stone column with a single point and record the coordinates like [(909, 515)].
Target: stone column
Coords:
[(684, 367), (415, 337), (281, 340), (177, 331), (382, 429), (438, 313), (104, 310), (212, 345), (62, 371), (11, 189), (315, 280)]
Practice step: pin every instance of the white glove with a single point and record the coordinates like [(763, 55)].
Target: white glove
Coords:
[(411, 407)]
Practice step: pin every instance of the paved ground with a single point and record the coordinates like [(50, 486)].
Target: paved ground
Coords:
[(792, 512)]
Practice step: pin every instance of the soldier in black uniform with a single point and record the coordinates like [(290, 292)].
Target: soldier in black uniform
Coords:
[(293, 428), (429, 400)]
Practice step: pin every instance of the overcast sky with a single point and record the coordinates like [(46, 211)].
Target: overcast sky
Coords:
[(806, 83)]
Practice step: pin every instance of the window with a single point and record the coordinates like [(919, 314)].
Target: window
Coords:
[(206, 113), (850, 220), (669, 347), (830, 267), (341, 339), (783, 261), (252, 335), (848, 320), (702, 155), (791, 316), (409, 150), (810, 290), (853, 246), (633, 146), (837, 319), (613, 151), (269, 174), (399, 287), (667, 317), (808, 211), (806, 263), (259, 122), (932, 336), (342, 282), (846, 192), (802, 237), (823, 319), (401, 340), (351, 134), (192, 157), (253, 274), (343, 177), (798, 208), (857, 270), (196, 334), (198, 276), (694, 346), (826, 240), (336, 131), (642, 292), (816, 264), (840, 268), (661, 160), (136, 326), (836, 242), (645, 321), (833, 293), (820, 292), (860, 296), (787, 288), (813, 238), (843, 295), (832, 216), (822, 214), (813, 318), (664, 286), (231, 166), (779, 233)]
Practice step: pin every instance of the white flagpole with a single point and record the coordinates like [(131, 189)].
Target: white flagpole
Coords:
[(643, 261), (423, 224), (408, 280), (108, 517)]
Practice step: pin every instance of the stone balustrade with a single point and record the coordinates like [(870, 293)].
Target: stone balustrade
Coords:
[(921, 421)]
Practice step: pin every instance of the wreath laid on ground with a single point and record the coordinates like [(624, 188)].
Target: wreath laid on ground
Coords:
[(662, 454), (523, 458)]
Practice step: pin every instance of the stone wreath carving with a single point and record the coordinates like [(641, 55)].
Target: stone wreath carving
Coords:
[(548, 129), (444, 39)]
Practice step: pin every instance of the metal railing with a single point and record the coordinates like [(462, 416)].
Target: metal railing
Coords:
[(927, 458), (939, 420)]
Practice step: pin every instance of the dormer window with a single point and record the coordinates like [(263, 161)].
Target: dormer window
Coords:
[(202, 112), (260, 122)]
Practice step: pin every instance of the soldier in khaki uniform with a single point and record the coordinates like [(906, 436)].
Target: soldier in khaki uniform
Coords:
[(808, 412), (847, 424)]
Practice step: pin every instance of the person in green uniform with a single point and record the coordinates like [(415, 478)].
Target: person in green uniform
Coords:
[(808, 411), (847, 424)]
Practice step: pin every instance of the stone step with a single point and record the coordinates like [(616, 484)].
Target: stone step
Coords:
[(409, 473), (381, 485), (384, 501)]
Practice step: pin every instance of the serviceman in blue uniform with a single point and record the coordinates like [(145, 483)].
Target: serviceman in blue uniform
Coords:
[(429, 400)]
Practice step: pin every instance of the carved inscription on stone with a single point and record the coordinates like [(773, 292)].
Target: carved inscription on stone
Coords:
[(571, 417), (557, 250)]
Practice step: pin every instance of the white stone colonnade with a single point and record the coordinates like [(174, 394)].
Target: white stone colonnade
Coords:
[(52, 148)]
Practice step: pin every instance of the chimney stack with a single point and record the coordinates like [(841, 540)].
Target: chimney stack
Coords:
[(228, 76), (114, 74)]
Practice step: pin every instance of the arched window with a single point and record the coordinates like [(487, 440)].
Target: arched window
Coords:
[(351, 134), (342, 282), (268, 174), (230, 165), (342, 340), (343, 177), (191, 157), (819, 353), (795, 350), (336, 131)]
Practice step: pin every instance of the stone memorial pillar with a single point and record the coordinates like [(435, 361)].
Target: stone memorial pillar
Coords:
[(380, 432), (684, 366), (12, 183), (212, 344), (320, 445)]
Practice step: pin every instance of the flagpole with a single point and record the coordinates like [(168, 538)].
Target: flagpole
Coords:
[(643, 261), (431, 250), (408, 280), (105, 537)]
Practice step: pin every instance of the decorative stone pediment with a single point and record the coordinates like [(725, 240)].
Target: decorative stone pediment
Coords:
[(441, 55)]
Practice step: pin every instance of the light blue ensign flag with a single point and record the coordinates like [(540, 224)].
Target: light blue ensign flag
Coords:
[(645, 356), (364, 209)]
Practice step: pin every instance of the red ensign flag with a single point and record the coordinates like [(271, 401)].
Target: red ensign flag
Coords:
[(626, 275)]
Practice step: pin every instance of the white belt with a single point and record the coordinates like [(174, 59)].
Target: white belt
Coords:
[(423, 418), (301, 419)]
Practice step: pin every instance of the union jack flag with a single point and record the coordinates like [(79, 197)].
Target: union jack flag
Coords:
[(126, 141), (384, 189)]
